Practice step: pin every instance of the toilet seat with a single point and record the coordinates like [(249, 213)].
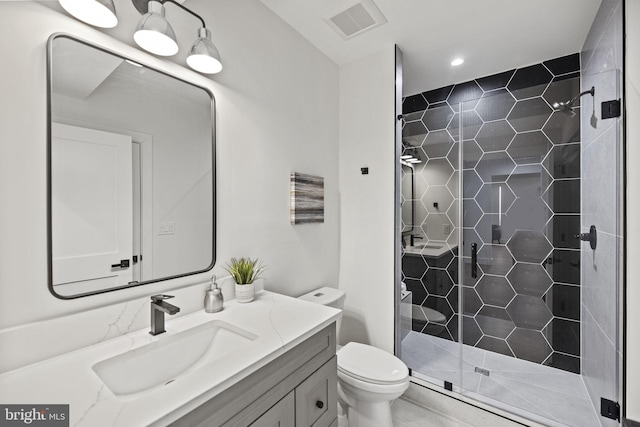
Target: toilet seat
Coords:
[(371, 365)]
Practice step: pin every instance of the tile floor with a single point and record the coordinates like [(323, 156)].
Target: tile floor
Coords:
[(408, 414), (547, 395)]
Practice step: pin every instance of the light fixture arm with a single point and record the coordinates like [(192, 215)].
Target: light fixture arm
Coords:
[(143, 6), (186, 10)]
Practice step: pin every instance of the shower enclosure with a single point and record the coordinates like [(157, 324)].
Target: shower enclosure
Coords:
[(511, 237)]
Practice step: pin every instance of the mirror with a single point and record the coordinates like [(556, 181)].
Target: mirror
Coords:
[(131, 172)]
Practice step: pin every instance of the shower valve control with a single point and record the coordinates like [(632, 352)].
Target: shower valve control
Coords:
[(591, 236)]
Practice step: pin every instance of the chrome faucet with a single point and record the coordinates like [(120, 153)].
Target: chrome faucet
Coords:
[(158, 308)]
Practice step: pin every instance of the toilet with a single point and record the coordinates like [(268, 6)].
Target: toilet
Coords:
[(368, 378)]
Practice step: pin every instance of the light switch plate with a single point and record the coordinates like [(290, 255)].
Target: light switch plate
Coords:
[(165, 228)]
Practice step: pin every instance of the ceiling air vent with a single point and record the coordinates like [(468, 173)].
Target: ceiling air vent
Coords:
[(355, 19)]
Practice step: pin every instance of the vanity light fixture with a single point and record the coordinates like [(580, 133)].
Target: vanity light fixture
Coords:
[(456, 62), (99, 13), (154, 32)]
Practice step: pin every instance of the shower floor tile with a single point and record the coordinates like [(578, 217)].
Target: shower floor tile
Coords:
[(539, 392)]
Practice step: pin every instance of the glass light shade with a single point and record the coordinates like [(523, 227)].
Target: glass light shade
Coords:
[(99, 13), (204, 56), (154, 33)]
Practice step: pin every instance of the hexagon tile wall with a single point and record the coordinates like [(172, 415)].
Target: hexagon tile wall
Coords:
[(520, 204)]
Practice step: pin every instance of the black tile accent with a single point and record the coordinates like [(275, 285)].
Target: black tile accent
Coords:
[(488, 197), (495, 167), (564, 161), (471, 183), (419, 294), (437, 118), (471, 124), (493, 230), (529, 147), (413, 103), (564, 336), (496, 345), (413, 266), (452, 327), (529, 345), (529, 81), (563, 89), (495, 259), (412, 117), (495, 136), (565, 301), (495, 290), (471, 333), (529, 246), (453, 299), (562, 128), (413, 128), (495, 81), (437, 95), (529, 279), (564, 362), (437, 282), (440, 304), (495, 105), (495, 322), (471, 154), (564, 64), (529, 180), (529, 312), (468, 91), (530, 114), (562, 229), (471, 302), (564, 196), (565, 267), (471, 213), (441, 261), (437, 144)]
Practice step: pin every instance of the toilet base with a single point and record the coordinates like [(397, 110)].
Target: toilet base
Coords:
[(367, 414)]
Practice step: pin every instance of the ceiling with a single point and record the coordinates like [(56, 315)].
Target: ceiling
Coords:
[(491, 35)]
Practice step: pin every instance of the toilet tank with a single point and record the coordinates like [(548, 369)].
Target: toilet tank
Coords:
[(330, 297)]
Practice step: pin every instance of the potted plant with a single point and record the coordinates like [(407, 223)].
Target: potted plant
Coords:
[(244, 272)]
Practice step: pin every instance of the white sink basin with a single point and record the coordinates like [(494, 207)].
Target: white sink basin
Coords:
[(172, 355), (428, 246)]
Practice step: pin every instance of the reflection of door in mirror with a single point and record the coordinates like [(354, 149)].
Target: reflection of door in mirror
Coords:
[(407, 198), (91, 209)]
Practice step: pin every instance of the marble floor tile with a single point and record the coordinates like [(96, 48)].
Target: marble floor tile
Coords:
[(529, 389), (408, 414)]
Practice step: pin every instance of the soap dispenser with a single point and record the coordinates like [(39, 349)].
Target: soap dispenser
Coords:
[(213, 299)]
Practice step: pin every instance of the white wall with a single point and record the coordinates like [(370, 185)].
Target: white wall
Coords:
[(632, 94), (277, 112), (367, 129)]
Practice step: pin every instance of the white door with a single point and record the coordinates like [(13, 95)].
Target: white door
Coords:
[(91, 204)]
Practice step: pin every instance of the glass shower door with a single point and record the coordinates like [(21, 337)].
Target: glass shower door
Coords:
[(533, 296)]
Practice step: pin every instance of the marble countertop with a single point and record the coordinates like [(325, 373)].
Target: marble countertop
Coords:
[(69, 378)]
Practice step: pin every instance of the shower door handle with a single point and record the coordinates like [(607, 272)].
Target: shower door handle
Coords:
[(474, 260)]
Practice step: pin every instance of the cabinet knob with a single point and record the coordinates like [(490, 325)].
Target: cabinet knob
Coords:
[(320, 404)]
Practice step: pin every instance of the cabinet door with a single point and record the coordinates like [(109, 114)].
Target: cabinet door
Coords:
[(280, 415), (317, 397)]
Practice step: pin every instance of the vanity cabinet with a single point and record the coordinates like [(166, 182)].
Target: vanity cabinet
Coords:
[(297, 389)]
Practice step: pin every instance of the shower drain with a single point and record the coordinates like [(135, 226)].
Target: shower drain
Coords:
[(482, 371)]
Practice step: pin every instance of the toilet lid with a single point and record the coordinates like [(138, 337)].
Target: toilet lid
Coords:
[(371, 364)]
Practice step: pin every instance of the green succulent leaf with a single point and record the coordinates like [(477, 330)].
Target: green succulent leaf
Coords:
[(245, 270)]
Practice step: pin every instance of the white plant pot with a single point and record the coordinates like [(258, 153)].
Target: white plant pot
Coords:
[(245, 293)]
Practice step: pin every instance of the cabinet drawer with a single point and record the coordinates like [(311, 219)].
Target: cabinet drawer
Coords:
[(280, 414), (316, 397)]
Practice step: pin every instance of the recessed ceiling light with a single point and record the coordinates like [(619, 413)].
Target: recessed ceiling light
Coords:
[(456, 62)]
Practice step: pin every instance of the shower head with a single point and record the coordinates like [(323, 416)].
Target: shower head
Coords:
[(567, 107)]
